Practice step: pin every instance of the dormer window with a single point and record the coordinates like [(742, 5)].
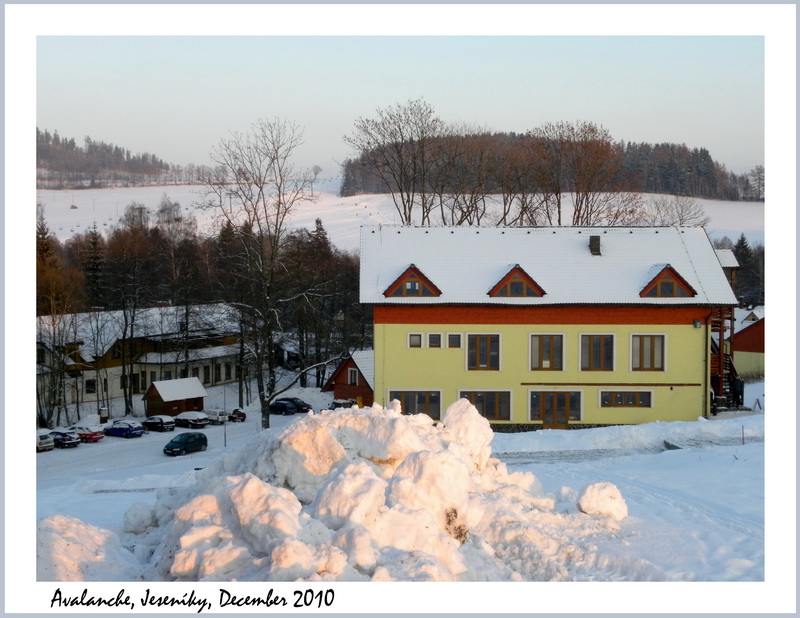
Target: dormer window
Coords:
[(667, 284), (516, 284), (412, 283)]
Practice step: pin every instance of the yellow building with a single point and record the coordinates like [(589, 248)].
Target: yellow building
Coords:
[(546, 327)]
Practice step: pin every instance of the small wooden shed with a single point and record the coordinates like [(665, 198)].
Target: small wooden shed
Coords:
[(353, 378), (172, 397)]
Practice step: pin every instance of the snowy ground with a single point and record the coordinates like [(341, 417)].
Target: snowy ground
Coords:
[(120, 510), (341, 216)]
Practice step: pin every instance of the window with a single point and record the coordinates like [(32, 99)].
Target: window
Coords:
[(184, 373), (597, 352), (116, 351), (206, 374), (418, 402), (91, 386), (454, 340), (152, 377), (412, 283), (352, 376), (547, 352), (555, 407), (195, 372), (493, 405), (647, 352), (227, 371), (483, 352), (667, 283), (217, 372), (626, 399), (516, 284), (168, 375), (434, 340), (414, 340)]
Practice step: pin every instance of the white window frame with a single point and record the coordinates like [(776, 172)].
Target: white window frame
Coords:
[(442, 407), (613, 353), (465, 345), (563, 351), (476, 389), (441, 341), (460, 345), (421, 341), (630, 353), (352, 376), (602, 390), (559, 389)]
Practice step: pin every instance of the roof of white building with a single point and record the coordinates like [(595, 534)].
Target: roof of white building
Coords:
[(464, 263), (182, 388), (99, 330)]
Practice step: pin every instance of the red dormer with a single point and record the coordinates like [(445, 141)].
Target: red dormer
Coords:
[(412, 283), (516, 284), (667, 283)]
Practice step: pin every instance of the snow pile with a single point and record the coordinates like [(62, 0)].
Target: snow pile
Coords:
[(355, 495)]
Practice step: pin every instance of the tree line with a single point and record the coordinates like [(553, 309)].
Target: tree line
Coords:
[(62, 163), (448, 173)]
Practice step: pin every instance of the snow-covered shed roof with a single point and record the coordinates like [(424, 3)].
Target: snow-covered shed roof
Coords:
[(727, 259), (182, 388), (465, 263), (365, 361)]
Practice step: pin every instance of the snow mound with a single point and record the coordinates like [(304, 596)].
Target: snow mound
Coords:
[(352, 495), (603, 499)]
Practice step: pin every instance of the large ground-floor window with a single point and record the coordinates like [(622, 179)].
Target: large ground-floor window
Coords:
[(419, 402), (494, 405), (555, 407)]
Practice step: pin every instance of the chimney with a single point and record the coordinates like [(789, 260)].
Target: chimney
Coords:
[(594, 245)]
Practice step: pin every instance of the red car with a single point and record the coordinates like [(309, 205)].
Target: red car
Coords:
[(87, 433)]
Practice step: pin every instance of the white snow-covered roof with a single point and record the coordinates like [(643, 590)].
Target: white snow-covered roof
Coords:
[(365, 361), (726, 258), (182, 388), (466, 262), (171, 358), (746, 317), (99, 330)]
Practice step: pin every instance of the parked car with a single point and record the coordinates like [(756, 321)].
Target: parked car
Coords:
[(87, 433), (192, 420), (216, 417), (44, 441), (160, 422), (282, 407), (65, 439), (186, 442), (124, 429), (238, 416), (301, 405)]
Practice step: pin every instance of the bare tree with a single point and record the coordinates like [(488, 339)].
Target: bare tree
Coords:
[(400, 146), (674, 210), (254, 191)]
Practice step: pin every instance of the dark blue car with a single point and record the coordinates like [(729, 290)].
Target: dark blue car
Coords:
[(124, 429)]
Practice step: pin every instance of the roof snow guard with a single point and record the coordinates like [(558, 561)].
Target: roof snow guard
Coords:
[(466, 262)]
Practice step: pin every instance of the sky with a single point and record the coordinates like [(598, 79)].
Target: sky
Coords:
[(178, 96)]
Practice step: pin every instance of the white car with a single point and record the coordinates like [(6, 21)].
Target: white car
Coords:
[(44, 441), (216, 417)]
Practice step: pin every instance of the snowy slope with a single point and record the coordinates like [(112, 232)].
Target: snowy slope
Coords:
[(341, 216)]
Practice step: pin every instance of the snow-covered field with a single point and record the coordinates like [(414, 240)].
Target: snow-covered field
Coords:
[(341, 216), (372, 495)]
